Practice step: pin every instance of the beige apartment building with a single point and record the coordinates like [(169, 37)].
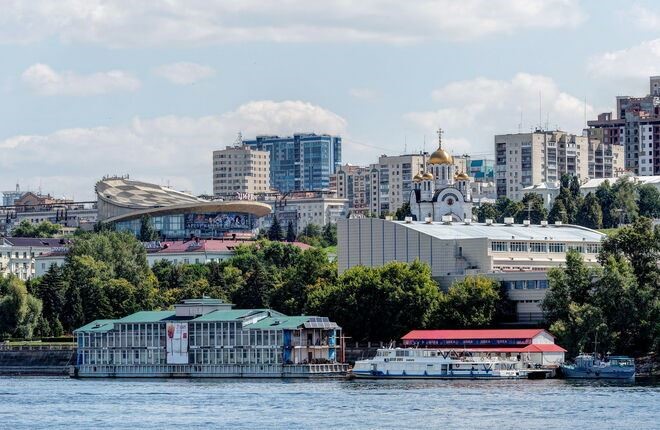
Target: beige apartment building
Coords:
[(240, 170), (360, 185), (396, 179), (525, 159)]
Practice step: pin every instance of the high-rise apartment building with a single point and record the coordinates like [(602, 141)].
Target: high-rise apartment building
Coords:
[(396, 179), (302, 162), (606, 160), (361, 187), (240, 169), (636, 128), (525, 159)]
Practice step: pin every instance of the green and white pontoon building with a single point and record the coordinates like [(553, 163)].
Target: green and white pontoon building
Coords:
[(208, 338)]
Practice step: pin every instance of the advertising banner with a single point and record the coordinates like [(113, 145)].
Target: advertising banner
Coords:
[(177, 343)]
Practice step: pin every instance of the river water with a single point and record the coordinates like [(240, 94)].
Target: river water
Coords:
[(58, 403)]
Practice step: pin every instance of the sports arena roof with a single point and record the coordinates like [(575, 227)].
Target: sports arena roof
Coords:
[(140, 195), (121, 199)]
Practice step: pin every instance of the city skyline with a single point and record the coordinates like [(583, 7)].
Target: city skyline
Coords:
[(106, 89)]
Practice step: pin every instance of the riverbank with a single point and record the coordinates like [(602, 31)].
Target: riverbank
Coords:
[(36, 359)]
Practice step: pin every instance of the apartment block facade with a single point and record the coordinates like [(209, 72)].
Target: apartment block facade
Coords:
[(240, 169), (360, 185), (636, 127), (396, 179), (302, 162), (525, 159)]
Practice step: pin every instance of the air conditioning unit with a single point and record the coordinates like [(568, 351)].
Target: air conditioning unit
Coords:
[(408, 220), (447, 219), (508, 220), (544, 223), (558, 223), (489, 221), (526, 223), (467, 221), (428, 220), (389, 218)]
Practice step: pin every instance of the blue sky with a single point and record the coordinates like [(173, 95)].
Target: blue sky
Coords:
[(150, 88)]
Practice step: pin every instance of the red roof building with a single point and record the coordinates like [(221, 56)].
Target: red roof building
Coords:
[(536, 345)]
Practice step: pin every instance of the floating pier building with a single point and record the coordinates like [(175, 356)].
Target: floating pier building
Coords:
[(209, 338)]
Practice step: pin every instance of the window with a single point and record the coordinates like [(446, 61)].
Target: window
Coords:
[(499, 246), (518, 247), (557, 247), (593, 248), (537, 247)]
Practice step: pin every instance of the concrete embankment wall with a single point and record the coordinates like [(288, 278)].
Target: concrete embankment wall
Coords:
[(36, 360)]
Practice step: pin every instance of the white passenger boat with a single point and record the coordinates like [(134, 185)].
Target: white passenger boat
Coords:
[(412, 363)]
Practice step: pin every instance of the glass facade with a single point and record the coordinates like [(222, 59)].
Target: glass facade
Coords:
[(205, 225), (302, 161)]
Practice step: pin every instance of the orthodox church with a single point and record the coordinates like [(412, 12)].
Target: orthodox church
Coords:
[(438, 190)]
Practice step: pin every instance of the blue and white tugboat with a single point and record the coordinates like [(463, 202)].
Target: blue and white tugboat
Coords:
[(413, 363), (588, 366)]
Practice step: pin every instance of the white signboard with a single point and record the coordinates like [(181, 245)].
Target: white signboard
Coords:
[(177, 343)]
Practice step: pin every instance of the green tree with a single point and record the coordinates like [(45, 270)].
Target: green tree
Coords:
[(147, 231), (330, 234), (558, 212), (469, 303), (507, 208), (532, 209), (605, 197), (639, 244), (43, 229), (260, 281), (648, 201), (590, 214), (50, 290), (403, 212), (275, 230), (486, 211), (290, 233), (72, 315), (19, 311), (380, 303), (624, 206)]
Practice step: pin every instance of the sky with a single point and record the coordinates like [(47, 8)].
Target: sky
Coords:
[(150, 88)]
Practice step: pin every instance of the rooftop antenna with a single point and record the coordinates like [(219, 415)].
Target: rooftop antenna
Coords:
[(18, 188), (405, 144), (239, 139), (520, 124), (540, 112), (547, 120)]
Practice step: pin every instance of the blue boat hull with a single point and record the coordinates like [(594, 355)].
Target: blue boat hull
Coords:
[(571, 373)]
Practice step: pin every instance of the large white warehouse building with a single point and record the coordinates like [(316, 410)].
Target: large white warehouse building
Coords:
[(518, 255)]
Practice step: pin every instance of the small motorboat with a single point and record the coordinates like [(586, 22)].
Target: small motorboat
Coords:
[(589, 366)]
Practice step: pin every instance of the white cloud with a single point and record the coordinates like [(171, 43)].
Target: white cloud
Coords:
[(165, 148), (366, 94), (473, 111), (639, 61), (43, 80), (184, 73), (151, 22), (644, 17)]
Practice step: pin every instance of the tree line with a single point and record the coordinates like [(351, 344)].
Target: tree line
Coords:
[(106, 276), (609, 206), (616, 303)]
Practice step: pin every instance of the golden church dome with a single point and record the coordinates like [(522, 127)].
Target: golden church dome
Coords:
[(418, 177), (462, 177), (428, 176), (440, 156)]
